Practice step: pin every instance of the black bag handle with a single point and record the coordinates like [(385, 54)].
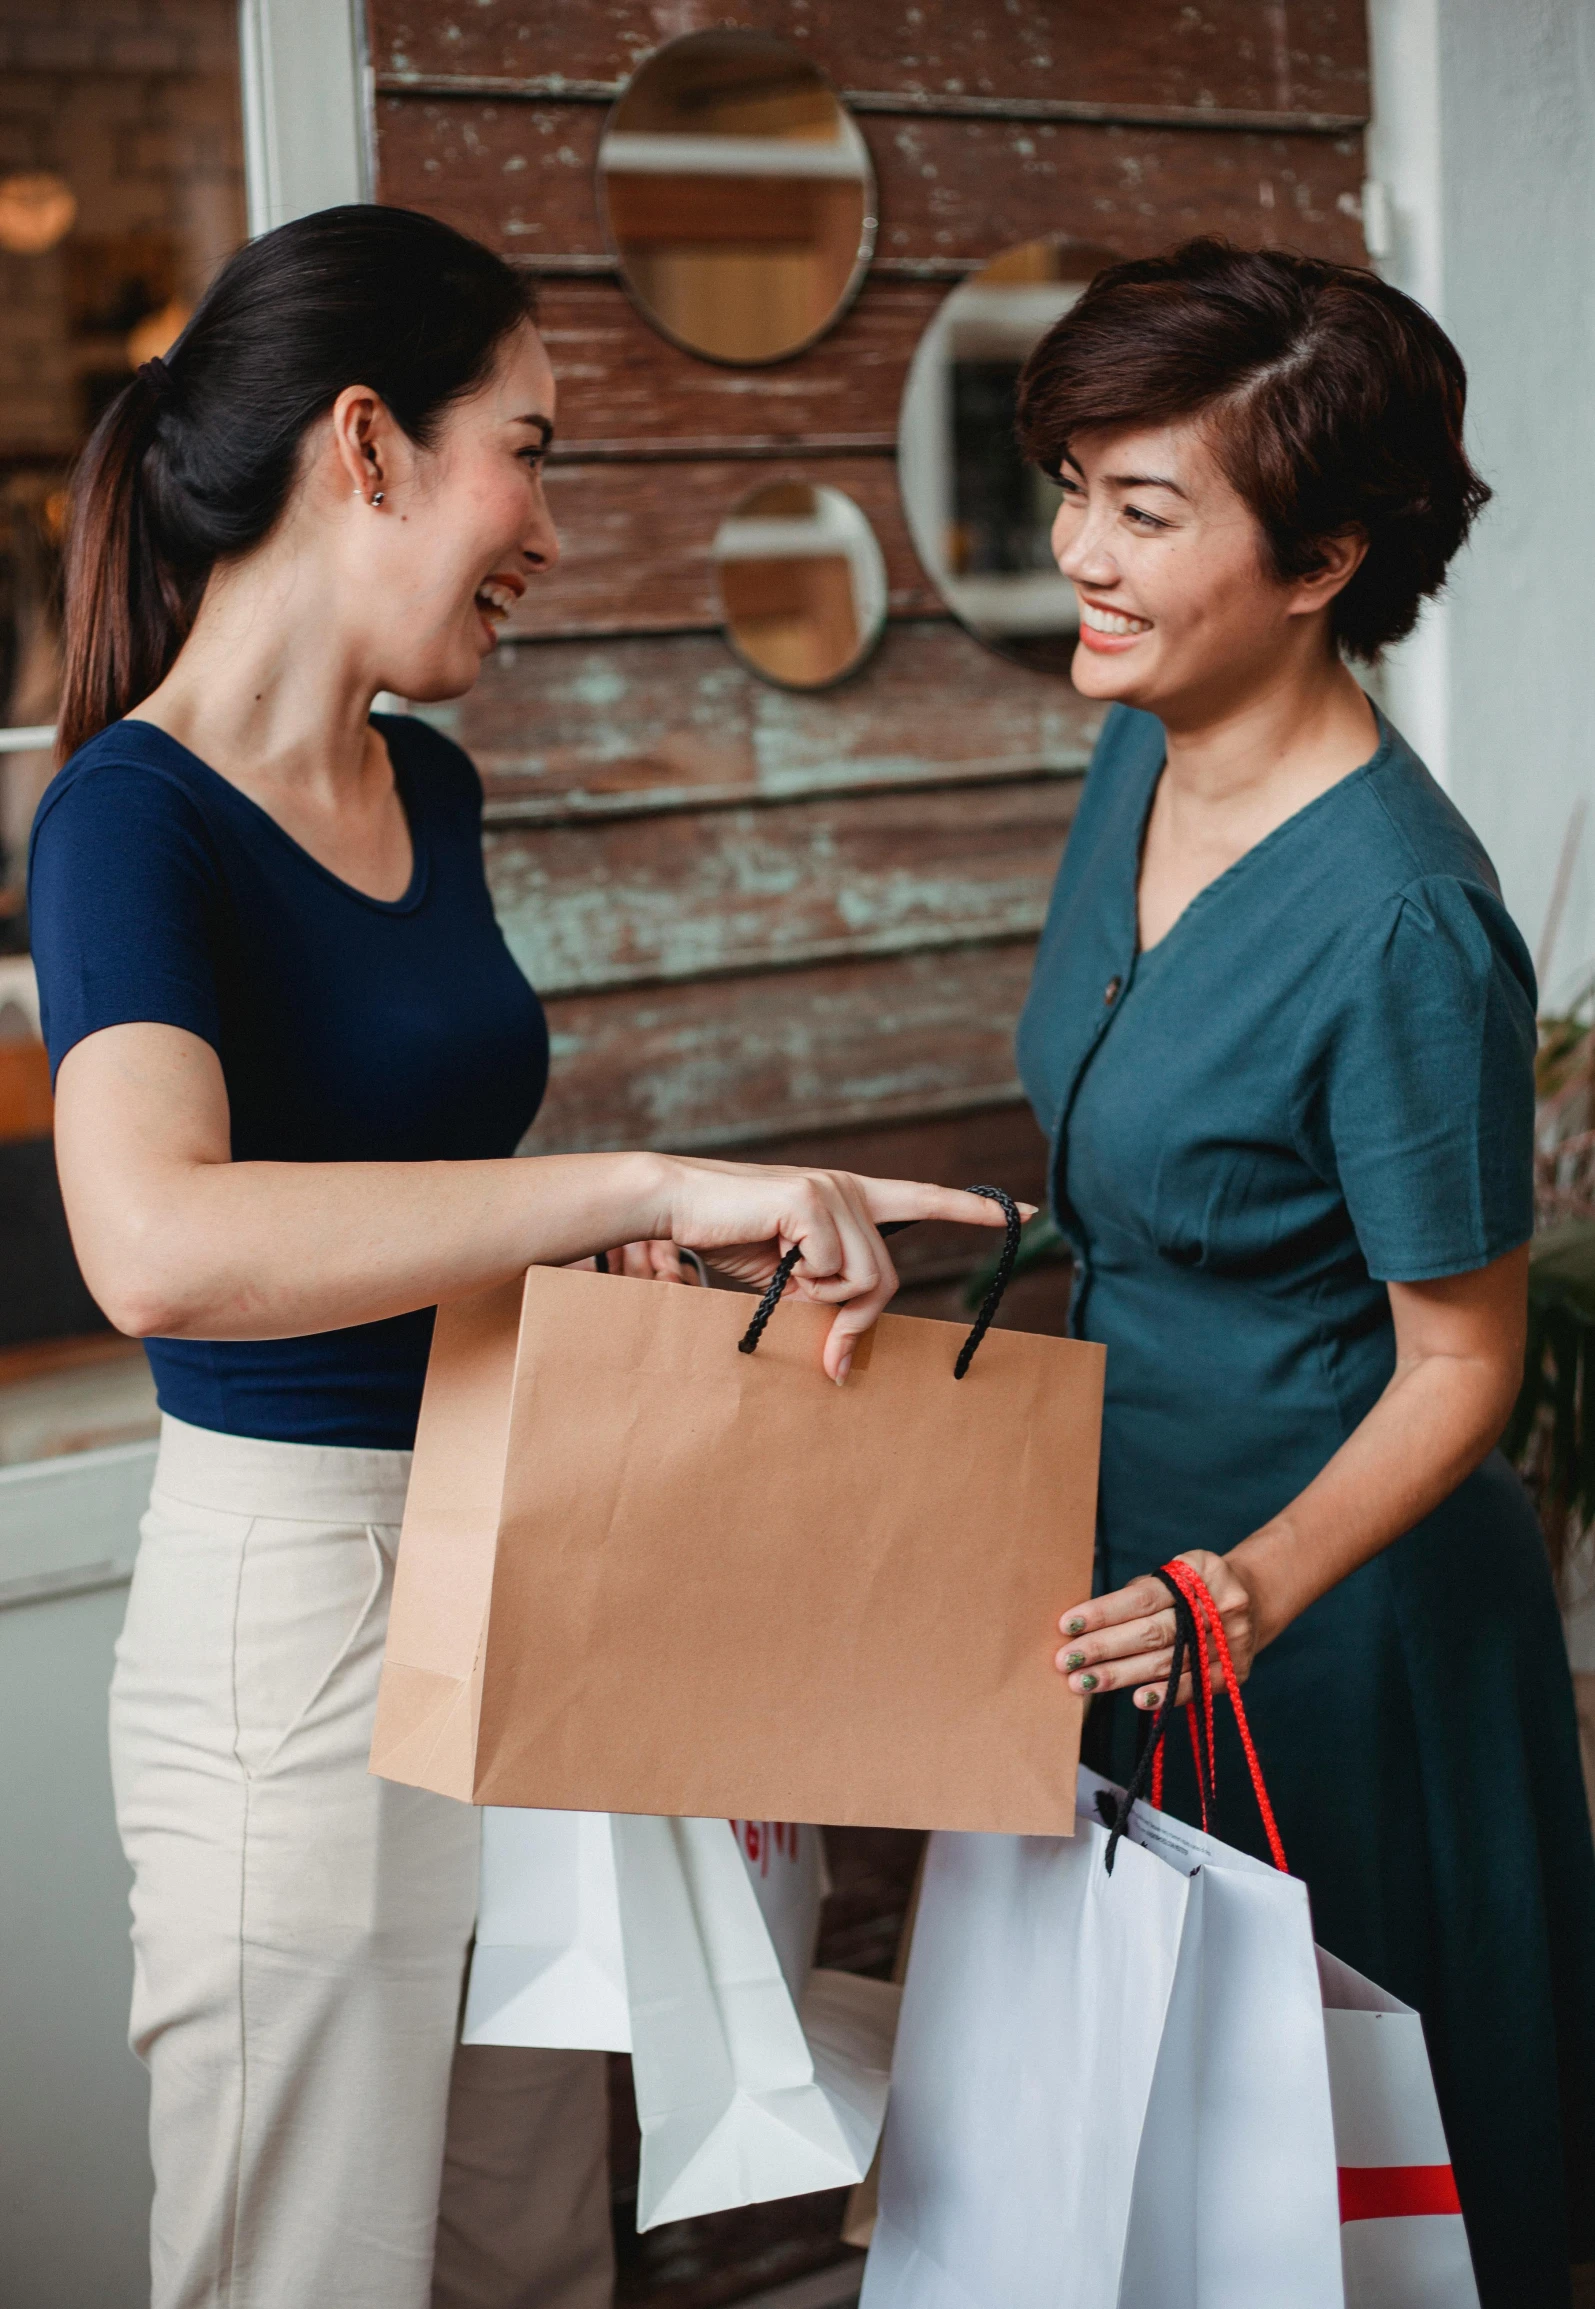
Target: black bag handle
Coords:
[(993, 1300), (1115, 1812)]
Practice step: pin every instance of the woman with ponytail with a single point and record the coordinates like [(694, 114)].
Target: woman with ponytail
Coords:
[(293, 1057)]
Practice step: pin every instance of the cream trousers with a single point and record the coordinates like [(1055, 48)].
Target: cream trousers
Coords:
[(300, 1930)]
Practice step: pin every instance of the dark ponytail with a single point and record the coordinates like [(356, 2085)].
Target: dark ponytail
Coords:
[(194, 460)]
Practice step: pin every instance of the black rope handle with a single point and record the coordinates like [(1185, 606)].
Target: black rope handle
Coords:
[(774, 1292), (999, 1281), (776, 1288), (1187, 1651)]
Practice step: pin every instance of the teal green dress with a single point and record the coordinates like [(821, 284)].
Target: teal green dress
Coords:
[(1321, 1081)]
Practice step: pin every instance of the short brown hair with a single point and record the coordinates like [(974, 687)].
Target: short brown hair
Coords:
[(1334, 403)]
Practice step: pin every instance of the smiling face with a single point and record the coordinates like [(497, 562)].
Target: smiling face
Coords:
[(1180, 612), (463, 526)]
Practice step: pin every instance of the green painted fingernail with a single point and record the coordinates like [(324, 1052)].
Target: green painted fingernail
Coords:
[(1074, 1627), (1088, 1683), (1074, 1659)]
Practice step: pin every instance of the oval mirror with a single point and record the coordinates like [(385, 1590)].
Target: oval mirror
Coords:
[(737, 196), (980, 517), (802, 583)]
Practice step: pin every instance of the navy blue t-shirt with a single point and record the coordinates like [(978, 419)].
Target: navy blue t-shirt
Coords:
[(349, 1029)]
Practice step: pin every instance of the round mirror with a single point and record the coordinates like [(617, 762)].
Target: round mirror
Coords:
[(737, 195), (802, 581), (980, 517)]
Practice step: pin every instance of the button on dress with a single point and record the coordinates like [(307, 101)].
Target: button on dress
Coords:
[(1318, 1082)]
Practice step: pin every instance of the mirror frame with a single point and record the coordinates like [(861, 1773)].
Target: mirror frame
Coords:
[(869, 228), (1093, 257), (866, 649)]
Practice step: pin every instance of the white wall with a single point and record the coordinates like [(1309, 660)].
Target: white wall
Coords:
[(1484, 138), (74, 2164)]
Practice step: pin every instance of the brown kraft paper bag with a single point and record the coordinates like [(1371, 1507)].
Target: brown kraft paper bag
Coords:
[(642, 1572)]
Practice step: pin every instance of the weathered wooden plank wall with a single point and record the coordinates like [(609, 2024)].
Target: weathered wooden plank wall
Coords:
[(908, 824), (803, 925), (520, 177), (1304, 59)]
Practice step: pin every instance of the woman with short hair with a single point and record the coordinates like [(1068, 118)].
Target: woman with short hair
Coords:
[(1282, 1034), (293, 1057)]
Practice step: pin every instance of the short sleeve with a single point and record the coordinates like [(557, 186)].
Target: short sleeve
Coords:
[(1418, 1082), (122, 891)]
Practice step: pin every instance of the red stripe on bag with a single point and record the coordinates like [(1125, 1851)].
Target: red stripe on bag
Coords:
[(1396, 2192)]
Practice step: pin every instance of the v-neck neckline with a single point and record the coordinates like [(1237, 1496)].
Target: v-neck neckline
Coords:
[(1265, 842), (415, 889)]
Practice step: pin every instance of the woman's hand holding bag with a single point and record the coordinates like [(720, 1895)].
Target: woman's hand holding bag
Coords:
[(747, 1218), (826, 1237), (1125, 1640)]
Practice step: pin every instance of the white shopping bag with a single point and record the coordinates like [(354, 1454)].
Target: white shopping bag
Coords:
[(1281, 2131), (786, 1867), (743, 2093), (1402, 2242), (1033, 2017), (1236, 2204), (1294, 2156), (548, 1967), (690, 1945)]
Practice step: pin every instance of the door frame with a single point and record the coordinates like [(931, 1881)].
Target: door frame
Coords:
[(307, 98)]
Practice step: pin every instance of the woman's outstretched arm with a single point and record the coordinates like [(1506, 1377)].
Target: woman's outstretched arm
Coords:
[(1459, 1364), (177, 1240)]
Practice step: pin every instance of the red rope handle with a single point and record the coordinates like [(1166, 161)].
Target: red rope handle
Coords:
[(1207, 1702), (1199, 1596), (1202, 1777), (1201, 1673), (1210, 1776)]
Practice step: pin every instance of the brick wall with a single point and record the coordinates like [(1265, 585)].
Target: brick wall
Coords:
[(135, 104)]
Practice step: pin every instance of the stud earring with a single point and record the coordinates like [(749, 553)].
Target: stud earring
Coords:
[(377, 499)]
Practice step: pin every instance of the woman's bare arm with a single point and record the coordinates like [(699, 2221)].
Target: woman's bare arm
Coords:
[(177, 1240), (1459, 1364)]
